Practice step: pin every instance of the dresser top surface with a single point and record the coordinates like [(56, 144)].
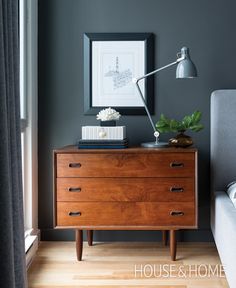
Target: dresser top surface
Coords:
[(75, 149)]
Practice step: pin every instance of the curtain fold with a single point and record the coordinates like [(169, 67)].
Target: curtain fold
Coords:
[(12, 254)]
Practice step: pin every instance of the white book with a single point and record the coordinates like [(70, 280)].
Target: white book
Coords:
[(103, 132)]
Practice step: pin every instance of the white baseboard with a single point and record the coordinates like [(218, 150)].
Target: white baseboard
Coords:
[(31, 245)]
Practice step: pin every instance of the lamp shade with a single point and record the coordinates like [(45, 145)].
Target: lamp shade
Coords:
[(186, 68)]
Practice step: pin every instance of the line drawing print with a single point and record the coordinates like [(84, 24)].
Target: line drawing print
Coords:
[(120, 79)]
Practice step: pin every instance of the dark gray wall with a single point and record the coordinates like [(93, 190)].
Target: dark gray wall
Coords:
[(207, 27)]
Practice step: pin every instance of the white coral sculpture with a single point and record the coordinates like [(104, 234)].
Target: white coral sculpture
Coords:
[(108, 114)]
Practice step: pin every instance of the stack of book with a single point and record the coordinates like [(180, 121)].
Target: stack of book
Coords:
[(103, 144), (102, 137)]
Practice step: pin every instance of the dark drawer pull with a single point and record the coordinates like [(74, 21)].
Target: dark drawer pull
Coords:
[(176, 189), (177, 213), (176, 164), (74, 214), (74, 165), (74, 189)]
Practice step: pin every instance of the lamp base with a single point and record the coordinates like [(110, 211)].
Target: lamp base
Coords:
[(155, 144)]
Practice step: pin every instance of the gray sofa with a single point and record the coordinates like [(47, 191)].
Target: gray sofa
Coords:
[(223, 171)]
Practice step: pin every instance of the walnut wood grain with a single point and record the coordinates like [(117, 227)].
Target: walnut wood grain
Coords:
[(165, 237), (90, 237), (125, 189), (173, 244), (73, 149), (79, 243), (124, 213), (125, 165)]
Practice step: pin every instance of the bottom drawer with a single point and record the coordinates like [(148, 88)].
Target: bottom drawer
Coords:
[(125, 214)]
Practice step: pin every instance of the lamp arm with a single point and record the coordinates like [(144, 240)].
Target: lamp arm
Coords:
[(136, 81), (145, 106), (159, 69)]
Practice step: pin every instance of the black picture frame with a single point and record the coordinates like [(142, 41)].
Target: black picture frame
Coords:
[(148, 59)]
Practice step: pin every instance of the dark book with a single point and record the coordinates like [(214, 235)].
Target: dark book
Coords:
[(102, 146), (103, 142)]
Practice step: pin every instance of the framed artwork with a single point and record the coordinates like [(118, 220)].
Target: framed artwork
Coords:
[(111, 61)]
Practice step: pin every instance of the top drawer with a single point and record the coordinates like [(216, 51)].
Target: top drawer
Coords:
[(125, 165)]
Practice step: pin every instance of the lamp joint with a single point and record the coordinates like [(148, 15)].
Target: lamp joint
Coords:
[(135, 80)]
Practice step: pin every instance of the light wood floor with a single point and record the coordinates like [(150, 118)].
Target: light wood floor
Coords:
[(113, 265)]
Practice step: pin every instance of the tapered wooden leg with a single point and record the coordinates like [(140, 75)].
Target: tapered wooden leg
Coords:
[(173, 245), (79, 243), (90, 237), (165, 237)]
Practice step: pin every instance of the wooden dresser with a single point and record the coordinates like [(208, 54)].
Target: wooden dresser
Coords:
[(125, 189)]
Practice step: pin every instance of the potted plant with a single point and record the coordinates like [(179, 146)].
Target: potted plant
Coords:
[(189, 122)]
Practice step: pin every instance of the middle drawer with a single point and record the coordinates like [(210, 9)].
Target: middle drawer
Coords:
[(125, 189)]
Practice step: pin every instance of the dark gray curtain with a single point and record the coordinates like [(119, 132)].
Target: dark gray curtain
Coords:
[(12, 255)]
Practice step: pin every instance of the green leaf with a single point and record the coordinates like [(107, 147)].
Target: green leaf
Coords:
[(189, 122), (196, 117), (174, 125), (196, 128), (186, 121)]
